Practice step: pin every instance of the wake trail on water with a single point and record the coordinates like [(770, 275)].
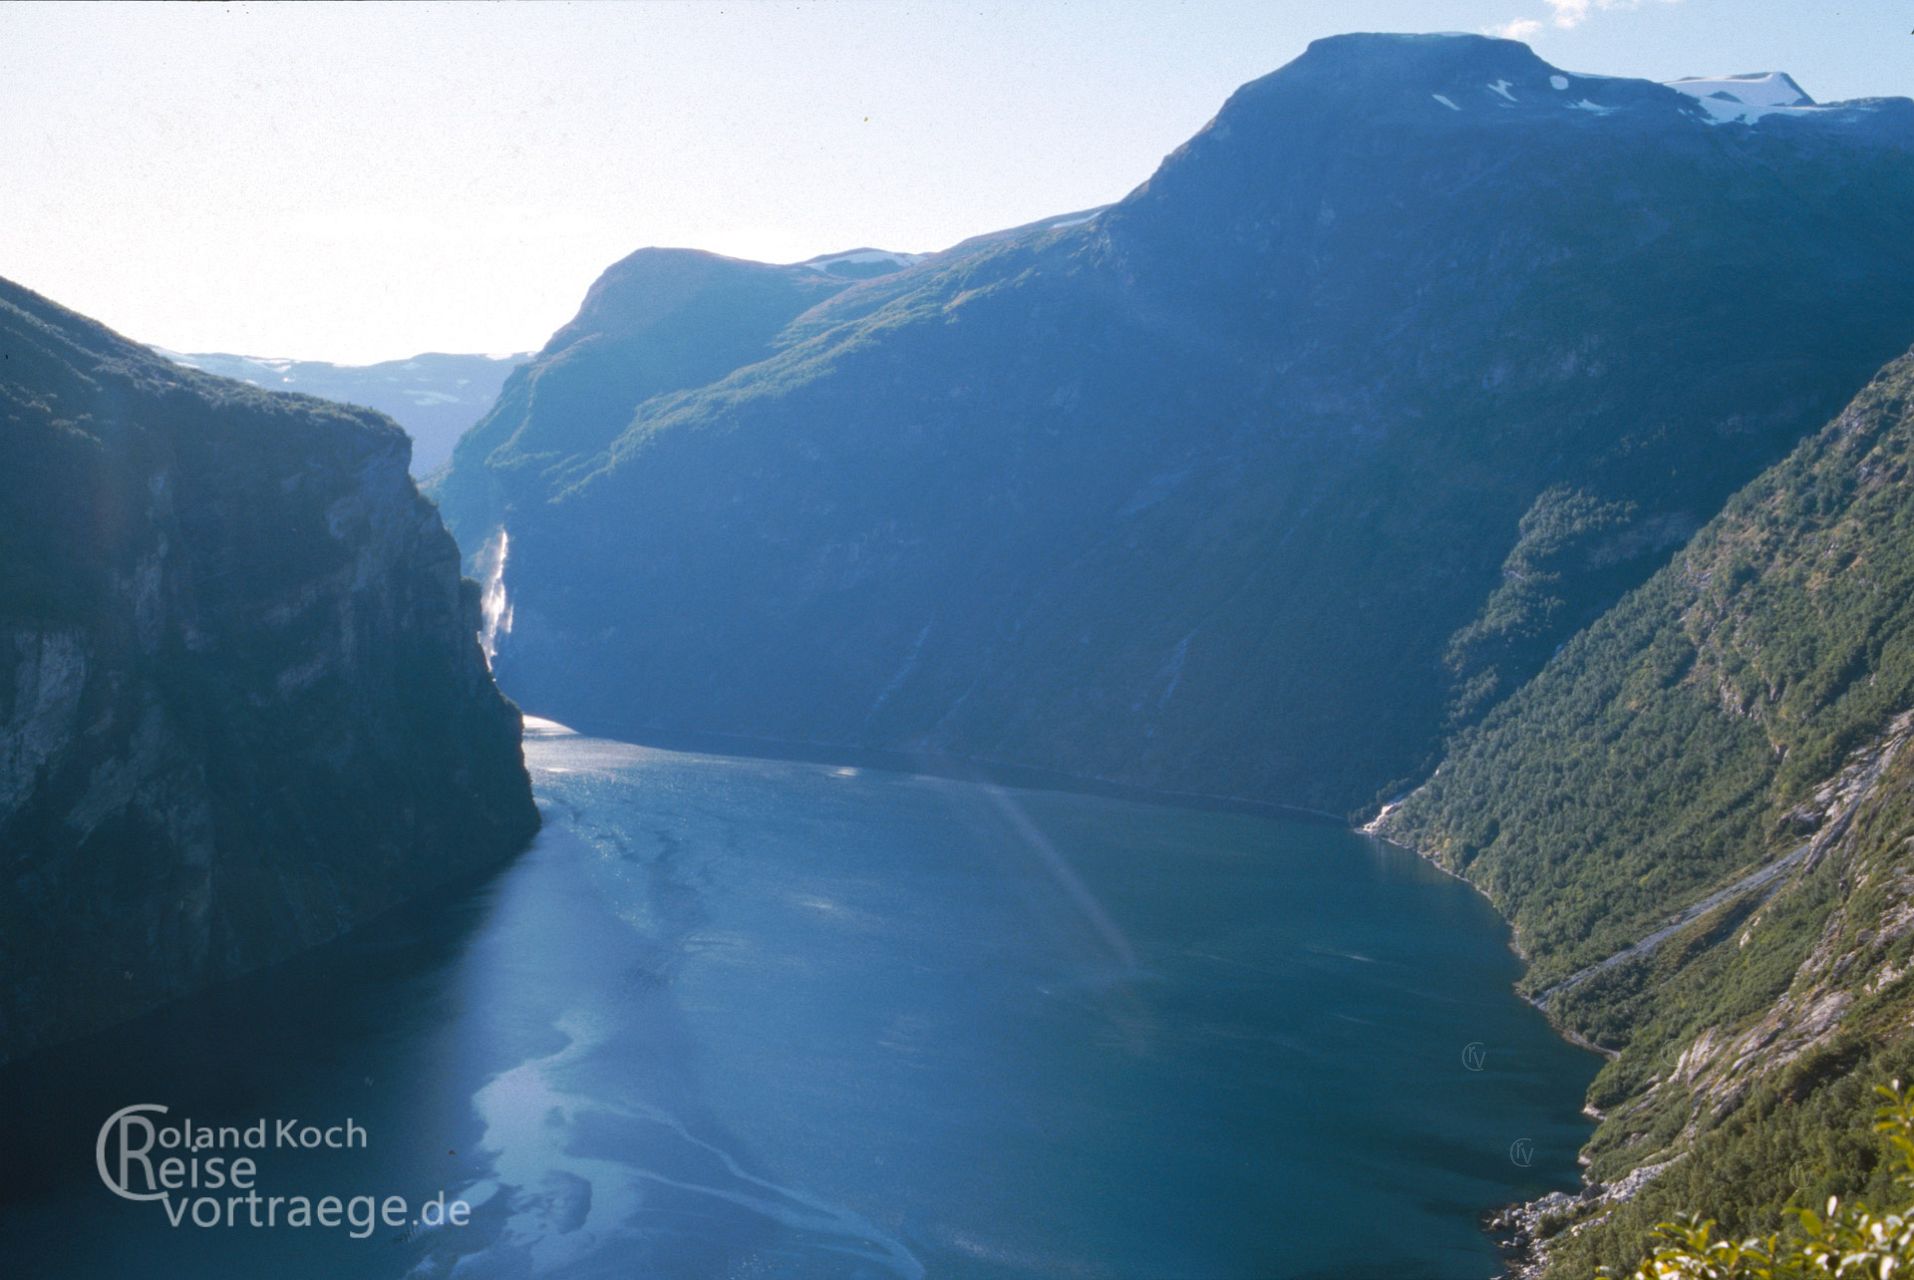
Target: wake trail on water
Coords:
[(567, 1209), (572, 1213)]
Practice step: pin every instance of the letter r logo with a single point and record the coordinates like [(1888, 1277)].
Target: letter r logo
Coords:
[(122, 1123)]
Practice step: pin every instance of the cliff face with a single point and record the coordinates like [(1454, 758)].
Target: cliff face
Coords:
[(1700, 817), (242, 706), (1258, 482)]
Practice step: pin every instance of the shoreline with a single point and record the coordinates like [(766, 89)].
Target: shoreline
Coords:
[(1515, 1227)]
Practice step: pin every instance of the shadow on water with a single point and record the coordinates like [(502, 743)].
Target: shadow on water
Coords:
[(392, 1027), (232, 1050)]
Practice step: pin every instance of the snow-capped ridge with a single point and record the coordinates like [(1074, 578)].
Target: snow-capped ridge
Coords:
[(1745, 98), (865, 257), (1462, 81)]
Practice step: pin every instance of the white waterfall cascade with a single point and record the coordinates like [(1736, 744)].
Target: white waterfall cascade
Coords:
[(495, 610)]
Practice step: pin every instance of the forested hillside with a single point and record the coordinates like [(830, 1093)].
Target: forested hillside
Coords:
[(1732, 735)]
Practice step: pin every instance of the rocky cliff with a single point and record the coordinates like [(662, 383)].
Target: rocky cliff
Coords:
[(242, 706)]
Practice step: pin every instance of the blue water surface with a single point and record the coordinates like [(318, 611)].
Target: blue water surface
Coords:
[(736, 1018)]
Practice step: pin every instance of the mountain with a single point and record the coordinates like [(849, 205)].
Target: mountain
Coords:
[(660, 321), (1256, 483), (435, 397), (1700, 818), (242, 705)]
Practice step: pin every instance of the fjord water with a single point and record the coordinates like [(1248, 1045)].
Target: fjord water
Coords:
[(740, 1017)]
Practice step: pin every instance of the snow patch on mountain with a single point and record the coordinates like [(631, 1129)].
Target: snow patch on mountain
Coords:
[(1747, 98), (865, 258)]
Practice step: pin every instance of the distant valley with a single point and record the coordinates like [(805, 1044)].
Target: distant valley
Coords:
[(435, 397)]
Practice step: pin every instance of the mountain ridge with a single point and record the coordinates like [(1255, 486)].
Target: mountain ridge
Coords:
[(878, 518)]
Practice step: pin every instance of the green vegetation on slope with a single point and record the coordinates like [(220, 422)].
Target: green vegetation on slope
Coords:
[(1846, 1239), (1746, 703), (1665, 747)]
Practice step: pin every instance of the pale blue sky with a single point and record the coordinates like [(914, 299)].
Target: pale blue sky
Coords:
[(366, 182)]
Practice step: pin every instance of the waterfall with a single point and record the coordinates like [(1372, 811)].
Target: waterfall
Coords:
[(495, 611)]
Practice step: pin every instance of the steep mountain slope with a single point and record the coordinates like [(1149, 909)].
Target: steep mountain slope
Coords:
[(661, 320), (435, 397), (1402, 370), (1733, 740), (241, 703)]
